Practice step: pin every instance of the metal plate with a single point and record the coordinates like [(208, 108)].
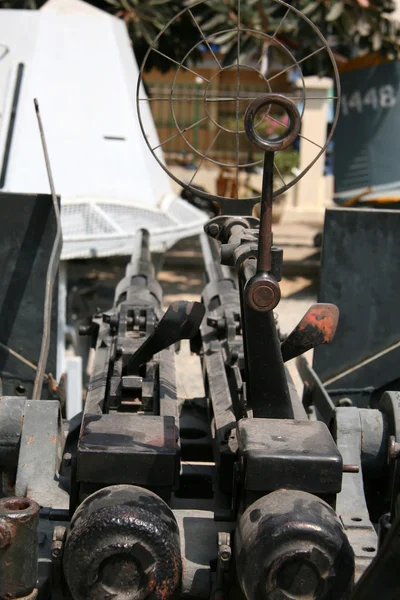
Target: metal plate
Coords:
[(360, 274), (27, 231)]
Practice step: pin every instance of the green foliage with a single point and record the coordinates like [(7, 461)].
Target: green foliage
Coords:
[(27, 4), (146, 18), (352, 27), (286, 161)]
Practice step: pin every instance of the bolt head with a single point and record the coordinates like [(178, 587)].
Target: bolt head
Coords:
[(298, 578), (263, 296), (298, 575), (213, 230), (226, 555), (262, 293)]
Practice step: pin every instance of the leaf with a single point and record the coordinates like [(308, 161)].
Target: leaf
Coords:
[(348, 26), (224, 37), (335, 11), (218, 19), (376, 41), (357, 26), (310, 8), (364, 28)]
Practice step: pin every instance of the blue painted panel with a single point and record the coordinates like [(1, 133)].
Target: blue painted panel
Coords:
[(367, 137)]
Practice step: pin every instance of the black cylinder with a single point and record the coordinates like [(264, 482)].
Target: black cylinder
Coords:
[(18, 547), (291, 545), (123, 543)]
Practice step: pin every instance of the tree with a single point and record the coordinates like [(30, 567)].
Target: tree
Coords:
[(352, 27)]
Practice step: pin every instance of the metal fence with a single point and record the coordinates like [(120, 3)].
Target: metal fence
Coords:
[(199, 121)]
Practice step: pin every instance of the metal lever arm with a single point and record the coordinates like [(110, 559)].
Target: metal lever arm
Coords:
[(262, 291), (318, 326), (269, 146), (181, 321)]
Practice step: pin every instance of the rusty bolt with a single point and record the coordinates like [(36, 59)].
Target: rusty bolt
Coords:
[(225, 553), (58, 540), (56, 550), (351, 469), (263, 296), (262, 293), (5, 536), (394, 447)]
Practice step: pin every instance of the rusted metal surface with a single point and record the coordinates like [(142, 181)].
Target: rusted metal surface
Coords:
[(262, 292), (123, 543), (19, 519), (265, 234), (318, 326), (291, 545), (269, 146), (40, 454)]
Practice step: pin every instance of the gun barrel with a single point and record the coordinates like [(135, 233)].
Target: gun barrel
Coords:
[(140, 263), (214, 270), (139, 276)]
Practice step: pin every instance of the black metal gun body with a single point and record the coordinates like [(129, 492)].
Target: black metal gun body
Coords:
[(237, 495), (132, 390)]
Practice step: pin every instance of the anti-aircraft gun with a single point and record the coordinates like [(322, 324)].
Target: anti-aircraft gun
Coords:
[(256, 495)]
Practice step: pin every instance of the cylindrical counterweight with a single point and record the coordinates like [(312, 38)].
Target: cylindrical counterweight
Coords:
[(291, 545), (18, 547), (123, 543)]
